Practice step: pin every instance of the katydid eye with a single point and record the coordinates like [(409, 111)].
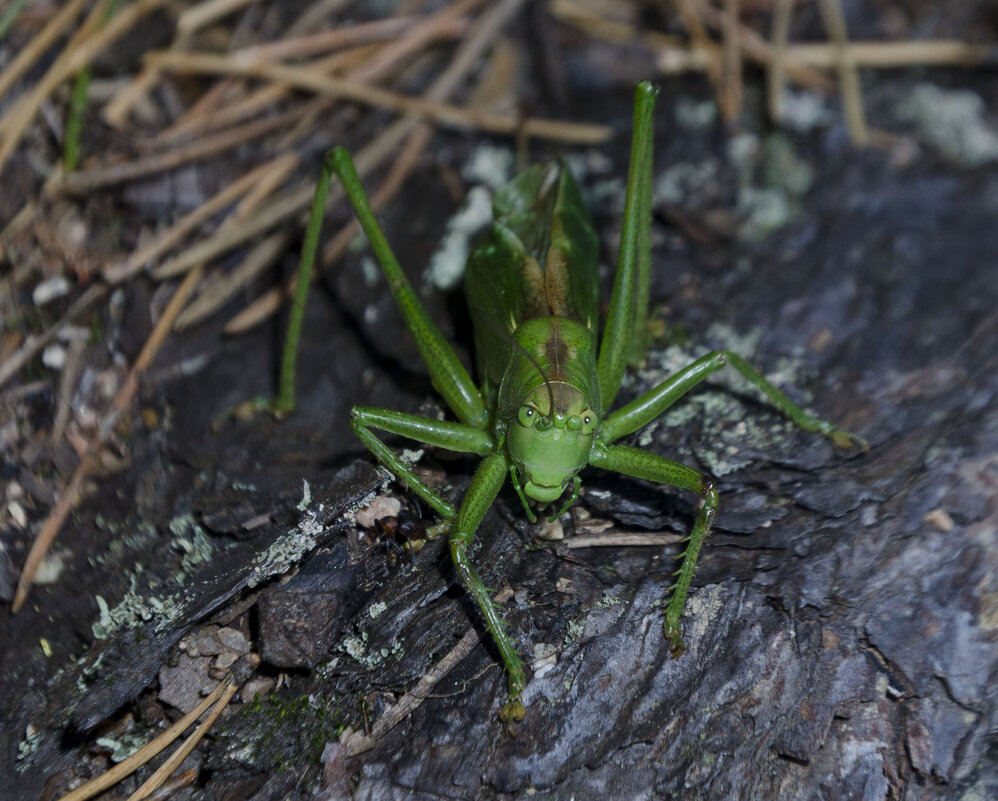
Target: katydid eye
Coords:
[(588, 423), (525, 416)]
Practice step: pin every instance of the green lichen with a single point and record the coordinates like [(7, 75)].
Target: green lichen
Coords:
[(135, 610), (28, 746), (576, 628), (286, 551), (953, 122), (123, 747), (190, 540)]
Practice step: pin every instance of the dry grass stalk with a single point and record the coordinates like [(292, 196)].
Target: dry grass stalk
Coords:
[(67, 384), (34, 344), (78, 54), (203, 14), (852, 100), (358, 743), (104, 175), (384, 146), (753, 47), (367, 66), (122, 400), (270, 302), (700, 38), (116, 273), (221, 288), (324, 41), (599, 26), (776, 72), (348, 89), (731, 64), (145, 753), (315, 16), (36, 47), (177, 757), (821, 55), (471, 48), (116, 111), (616, 539)]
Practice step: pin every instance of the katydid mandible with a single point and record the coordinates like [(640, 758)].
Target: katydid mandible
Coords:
[(541, 412)]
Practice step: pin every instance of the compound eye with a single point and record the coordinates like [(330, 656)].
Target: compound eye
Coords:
[(526, 415), (588, 422)]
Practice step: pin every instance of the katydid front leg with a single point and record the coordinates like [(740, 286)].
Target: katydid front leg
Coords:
[(458, 437), (484, 487), (640, 463), (463, 397)]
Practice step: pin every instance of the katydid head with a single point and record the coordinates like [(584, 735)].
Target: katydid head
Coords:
[(550, 440)]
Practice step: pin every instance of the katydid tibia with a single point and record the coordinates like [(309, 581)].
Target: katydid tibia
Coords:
[(548, 381)]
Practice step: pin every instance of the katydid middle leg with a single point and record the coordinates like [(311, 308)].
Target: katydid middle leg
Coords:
[(641, 411)]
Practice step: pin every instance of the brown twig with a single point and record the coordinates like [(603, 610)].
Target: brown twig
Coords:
[(621, 540), (123, 398)]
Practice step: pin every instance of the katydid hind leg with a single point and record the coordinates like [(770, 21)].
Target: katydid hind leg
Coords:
[(617, 343), (449, 376), (640, 463)]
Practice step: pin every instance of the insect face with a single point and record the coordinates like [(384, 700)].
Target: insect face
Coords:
[(549, 446)]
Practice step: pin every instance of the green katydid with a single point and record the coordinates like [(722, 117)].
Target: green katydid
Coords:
[(548, 382)]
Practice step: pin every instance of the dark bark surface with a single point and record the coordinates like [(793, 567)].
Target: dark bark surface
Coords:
[(841, 632)]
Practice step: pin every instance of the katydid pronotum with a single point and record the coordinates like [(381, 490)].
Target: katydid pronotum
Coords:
[(541, 412)]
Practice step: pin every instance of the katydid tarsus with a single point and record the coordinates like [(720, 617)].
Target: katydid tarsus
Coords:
[(541, 412)]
